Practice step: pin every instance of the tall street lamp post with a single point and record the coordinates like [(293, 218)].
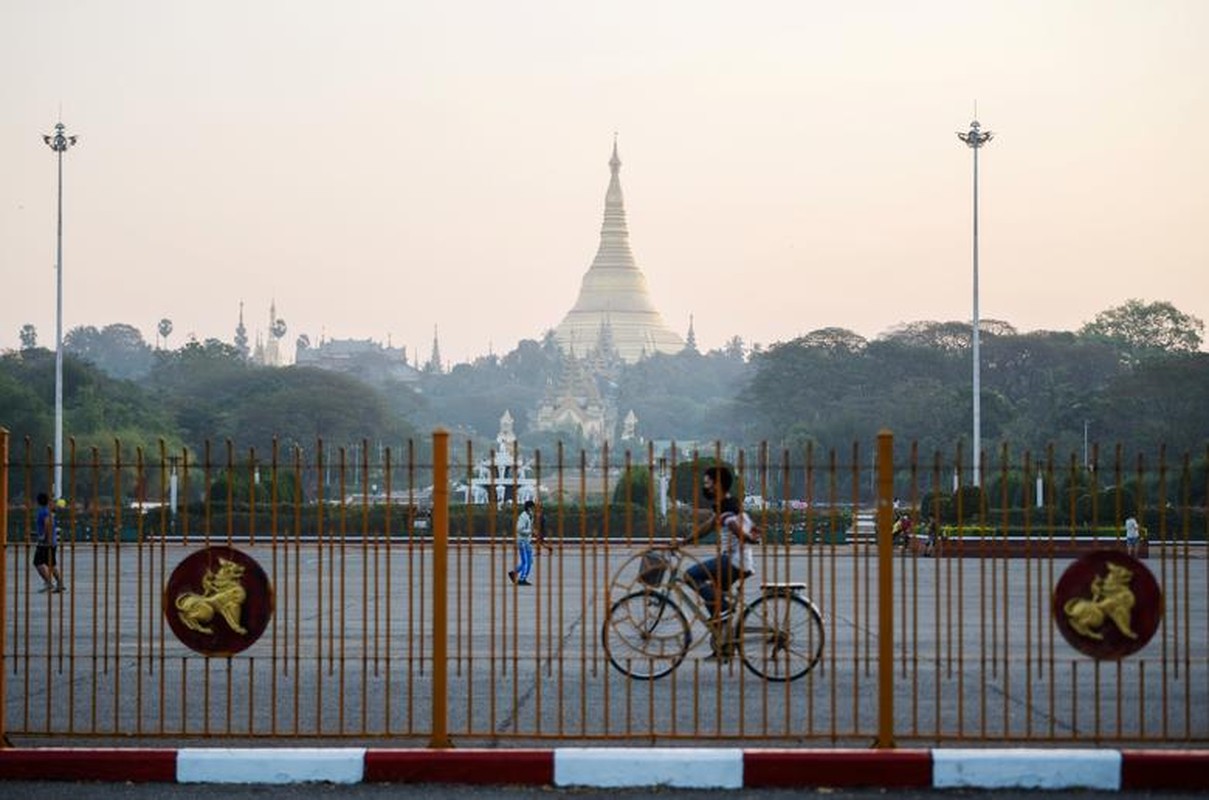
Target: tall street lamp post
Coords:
[(59, 142), (975, 139)]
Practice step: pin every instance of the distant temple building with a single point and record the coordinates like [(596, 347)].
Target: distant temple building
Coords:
[(365, 359), (613, 296), (267, 352), (575, 404)]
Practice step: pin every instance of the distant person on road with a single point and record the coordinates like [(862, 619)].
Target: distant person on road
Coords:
[(47, 538), (524, 546), (933, 531), (1132, 536)]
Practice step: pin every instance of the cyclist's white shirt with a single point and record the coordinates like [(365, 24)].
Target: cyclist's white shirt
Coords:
[(739, 552)]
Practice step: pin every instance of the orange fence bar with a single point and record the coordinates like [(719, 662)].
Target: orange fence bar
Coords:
[(440, 589), (885, 589), (3, 585)]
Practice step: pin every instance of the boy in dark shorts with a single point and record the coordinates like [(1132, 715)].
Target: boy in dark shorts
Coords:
[(47, 544)]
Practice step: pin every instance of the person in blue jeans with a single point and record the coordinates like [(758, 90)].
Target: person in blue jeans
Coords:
[(524, 546), (713, 577)]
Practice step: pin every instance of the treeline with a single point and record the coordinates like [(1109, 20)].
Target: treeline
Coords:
[(1133, 377), (1042, 392), (203, 399)]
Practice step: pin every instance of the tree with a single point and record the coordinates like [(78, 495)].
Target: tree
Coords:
[(1161, 401), (200, 383), (734, 348), (1145, 329), (97, 409), (947, 336), (673, 395), (22, 411), (840, 341), (118, 349), (300, 405), (29, 337), (634, 486)]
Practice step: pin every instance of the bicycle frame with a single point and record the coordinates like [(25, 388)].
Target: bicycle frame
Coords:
[(717, 627), (778, 635)]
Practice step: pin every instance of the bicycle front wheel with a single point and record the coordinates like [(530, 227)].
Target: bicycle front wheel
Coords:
[(646, 635), (781, 637)]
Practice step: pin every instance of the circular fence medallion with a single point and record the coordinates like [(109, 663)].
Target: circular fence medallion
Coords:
[(218, 601), (1107, 604)]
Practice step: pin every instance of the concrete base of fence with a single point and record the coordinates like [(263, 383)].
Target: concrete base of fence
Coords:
[(260, 765), (1026, 769), (1031, 768), (681, 768)]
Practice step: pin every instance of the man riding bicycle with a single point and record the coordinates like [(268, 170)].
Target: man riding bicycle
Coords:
[(713, 577)]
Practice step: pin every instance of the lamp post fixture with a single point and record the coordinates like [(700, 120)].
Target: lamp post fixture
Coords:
[(59, 142), (975, 138)]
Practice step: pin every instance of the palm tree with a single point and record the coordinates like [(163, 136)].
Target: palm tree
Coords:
[(29, 337)]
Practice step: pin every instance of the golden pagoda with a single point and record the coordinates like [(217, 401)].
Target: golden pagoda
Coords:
[(613, 296)]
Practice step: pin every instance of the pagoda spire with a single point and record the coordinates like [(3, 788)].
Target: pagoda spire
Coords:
[(241, 333), (690, 343), (615, 290), (434, 362)]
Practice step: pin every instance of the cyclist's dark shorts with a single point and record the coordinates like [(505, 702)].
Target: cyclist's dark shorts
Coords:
[(44, 554)]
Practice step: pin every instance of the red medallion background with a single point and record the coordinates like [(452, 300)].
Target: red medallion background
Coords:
[(1147, 610), (257, 607)]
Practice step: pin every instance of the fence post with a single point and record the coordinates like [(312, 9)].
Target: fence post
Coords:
[(885, 588), (440, 587), (3, 582)]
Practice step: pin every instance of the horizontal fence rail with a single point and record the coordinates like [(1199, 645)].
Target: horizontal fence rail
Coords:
[(389, 611)]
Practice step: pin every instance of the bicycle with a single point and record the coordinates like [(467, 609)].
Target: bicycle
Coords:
[(646, 634)]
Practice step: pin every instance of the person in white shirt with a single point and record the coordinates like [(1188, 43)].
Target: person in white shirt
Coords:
[(1132, 536), (524, 546), (713, 577)]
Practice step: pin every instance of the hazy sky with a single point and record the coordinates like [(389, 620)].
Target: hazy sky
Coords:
[(382, 167)]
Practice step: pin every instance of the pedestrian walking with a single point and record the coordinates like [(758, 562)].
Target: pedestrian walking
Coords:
[(45, 552), (1132, 536), (524, 546)]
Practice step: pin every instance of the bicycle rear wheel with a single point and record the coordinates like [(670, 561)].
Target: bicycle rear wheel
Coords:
[(646, 635), (781, 637)]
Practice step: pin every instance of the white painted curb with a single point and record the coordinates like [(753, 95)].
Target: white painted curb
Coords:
[(680, 767), (1026, 769), (270, 765)]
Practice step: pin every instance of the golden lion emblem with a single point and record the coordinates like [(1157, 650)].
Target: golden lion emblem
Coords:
[(1111, 599), (222, 593)]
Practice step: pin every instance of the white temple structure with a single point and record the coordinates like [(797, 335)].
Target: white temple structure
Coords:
[(503, 475), (613, 295)]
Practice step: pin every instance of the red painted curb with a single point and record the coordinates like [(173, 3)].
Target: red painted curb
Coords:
[(66, 764), (799, 768), (460, 766), (847, 768), (1165, 769)]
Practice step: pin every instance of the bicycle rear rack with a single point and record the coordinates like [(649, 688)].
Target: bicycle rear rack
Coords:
[(782, 589)]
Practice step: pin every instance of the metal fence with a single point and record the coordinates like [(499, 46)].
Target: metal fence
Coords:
[(390, 613)]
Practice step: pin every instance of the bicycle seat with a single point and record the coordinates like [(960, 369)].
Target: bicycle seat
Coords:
[(782, 589)]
